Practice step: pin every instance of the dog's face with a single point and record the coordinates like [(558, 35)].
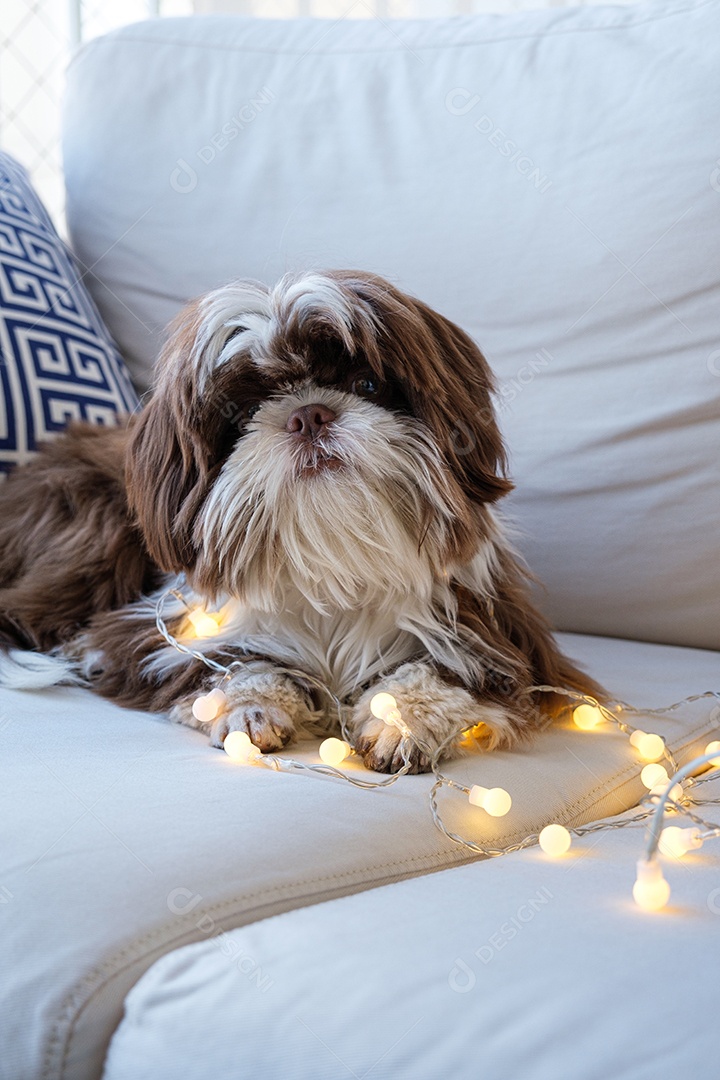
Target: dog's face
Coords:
[(330, 434)]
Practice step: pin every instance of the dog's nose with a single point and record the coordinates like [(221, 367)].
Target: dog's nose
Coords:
[(308, 421)]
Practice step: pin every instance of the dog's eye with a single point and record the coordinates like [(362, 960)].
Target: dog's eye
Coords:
[(365, 386), (234, 332), (250, 410)]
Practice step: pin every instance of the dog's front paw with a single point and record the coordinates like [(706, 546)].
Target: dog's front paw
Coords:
[(433, 712), (269, 726), (383, 748), (267, 705)]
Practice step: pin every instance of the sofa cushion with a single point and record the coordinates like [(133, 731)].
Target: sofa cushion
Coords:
[(549, 180), (58, 360), (521, 967), (132, 836)]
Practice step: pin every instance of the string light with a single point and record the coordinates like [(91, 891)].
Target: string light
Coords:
[(239, 746), (494, 801), (713, 748), (650, 747), (208, 706), (204, 624), (385, 707), (651, 891), (587, 717), (676, 842), (555, 840), (334, 751), (674, 793), (654, 775)]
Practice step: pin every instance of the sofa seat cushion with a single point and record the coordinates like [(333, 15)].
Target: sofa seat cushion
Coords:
[(131, 836), (520, 967)]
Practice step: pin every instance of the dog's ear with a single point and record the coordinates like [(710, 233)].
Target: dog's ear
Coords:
[(457, 405), (447, 381), (168, 467)]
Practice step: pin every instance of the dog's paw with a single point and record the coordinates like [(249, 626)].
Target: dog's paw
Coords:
[(383, 748), (269, 726), (266, 705), (434, 713)]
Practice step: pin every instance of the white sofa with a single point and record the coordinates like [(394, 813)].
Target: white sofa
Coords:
[(550, 181)]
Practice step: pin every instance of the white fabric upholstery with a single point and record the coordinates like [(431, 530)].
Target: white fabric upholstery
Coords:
[(549, 180), (519, 968), (132, 837)]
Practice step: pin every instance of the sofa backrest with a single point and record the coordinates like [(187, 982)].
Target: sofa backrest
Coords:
[(549, 180)]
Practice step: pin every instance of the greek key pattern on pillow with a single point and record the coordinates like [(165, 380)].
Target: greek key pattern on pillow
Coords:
[(57, 360)]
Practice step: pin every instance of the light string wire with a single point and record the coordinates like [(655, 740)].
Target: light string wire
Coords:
[(271, 760), (656, 824), (659, 801)]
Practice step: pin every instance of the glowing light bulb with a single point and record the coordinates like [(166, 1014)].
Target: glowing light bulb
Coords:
[(203, 624), (384, 706), (676, 842), (650, 891), (654, 776), (207, 707), (334, 751), (587, 717), (711, 748), (494, 801), (555, 840), (650, 747), (240, 747), (675, 792)]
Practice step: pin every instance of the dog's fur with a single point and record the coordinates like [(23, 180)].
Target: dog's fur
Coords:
[(362, 549)]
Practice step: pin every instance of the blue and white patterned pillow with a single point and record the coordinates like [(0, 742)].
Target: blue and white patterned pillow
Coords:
[(57, 361)]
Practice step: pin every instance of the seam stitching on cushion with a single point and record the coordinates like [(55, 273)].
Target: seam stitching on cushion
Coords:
[(156, 935), (452, 860)]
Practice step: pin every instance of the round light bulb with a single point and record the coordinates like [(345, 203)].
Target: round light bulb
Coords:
[(555, 840), (675, 793), (654, 776), (650, 747), (587, 717), (239, 746), (676, 842), (207, 707), (494, 801), (497, 802), (650, 891), (711, 748), (383, 705), (203, 624), (334, 751)]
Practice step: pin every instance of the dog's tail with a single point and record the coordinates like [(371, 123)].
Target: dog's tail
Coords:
[(24, 670)]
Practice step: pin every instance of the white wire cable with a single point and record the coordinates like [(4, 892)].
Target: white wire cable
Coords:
[(613, 712)]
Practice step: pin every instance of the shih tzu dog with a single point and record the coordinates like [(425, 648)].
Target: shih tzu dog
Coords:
[(319, 464)]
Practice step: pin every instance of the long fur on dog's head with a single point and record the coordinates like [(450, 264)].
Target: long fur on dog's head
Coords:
[(393, 491)]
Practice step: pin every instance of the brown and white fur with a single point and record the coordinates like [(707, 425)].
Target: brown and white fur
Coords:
[(320, 460)]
